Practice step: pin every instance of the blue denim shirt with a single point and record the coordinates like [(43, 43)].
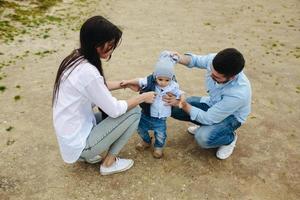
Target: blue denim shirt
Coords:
[(231, 98), (158, 108)]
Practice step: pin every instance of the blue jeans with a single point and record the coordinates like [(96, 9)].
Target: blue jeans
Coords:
[(111, 134), (157, 125), (209, 136)]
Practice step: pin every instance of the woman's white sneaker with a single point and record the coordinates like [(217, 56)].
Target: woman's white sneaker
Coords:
[(226, 150), (192, 129), (120, 165)]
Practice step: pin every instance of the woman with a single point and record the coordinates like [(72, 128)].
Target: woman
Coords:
[(79, 86)]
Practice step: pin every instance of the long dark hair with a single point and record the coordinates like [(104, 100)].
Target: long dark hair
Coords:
[(95, 32)]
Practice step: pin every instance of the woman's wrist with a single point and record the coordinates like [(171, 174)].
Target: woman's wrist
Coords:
[(142, 97)]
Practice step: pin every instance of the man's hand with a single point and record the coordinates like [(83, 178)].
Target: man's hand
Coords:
[(182, 59), (182, 101), (132, 84), (170, 99)]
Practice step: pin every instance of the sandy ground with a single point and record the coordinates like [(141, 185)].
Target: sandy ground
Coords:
[(266, 162)]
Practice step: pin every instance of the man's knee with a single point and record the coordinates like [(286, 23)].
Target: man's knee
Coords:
[(203, 139)]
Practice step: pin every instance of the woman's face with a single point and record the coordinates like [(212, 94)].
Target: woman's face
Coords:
[(106, 50)]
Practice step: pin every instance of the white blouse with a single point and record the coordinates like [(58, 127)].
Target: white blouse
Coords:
[(73, 115)]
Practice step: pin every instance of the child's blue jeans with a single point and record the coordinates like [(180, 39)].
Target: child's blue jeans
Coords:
[(211, 136), (158, 125)]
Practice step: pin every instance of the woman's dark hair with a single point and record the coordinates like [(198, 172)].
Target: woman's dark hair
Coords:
[(95, 32), (229, 62)]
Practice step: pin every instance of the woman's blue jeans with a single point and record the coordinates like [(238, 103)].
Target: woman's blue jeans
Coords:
[(209, 136)]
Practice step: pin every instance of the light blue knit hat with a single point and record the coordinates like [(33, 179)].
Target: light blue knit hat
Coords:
[(165, 65)]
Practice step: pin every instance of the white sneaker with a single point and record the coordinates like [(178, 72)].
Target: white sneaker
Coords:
[(192, 129), (226, 150), (94, 160), (119, 166)]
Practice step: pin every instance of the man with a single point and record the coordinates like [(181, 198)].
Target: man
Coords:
[(225, 108)]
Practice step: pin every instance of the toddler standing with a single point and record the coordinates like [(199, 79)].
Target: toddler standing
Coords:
[(154, 115)]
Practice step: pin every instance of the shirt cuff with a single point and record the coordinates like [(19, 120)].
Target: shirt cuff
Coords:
[(124, 105), (190, 64), (194, 113)]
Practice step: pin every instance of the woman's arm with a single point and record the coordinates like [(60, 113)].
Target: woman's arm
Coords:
[(133, 84), (99, 94), (147, 97), (113, 85)]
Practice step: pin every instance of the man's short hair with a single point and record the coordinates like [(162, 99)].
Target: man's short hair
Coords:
[(229, 62)]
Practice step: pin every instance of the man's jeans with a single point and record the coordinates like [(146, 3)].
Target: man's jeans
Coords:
[(209, 136), (157, 125)]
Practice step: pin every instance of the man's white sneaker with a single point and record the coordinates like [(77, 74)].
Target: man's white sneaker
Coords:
[(94, 160), (226, 150), (192, 129), (119, 166)]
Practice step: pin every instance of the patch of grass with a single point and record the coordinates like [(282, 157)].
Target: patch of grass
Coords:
[(2, 88), (17, 97), (9, 128), (23, 16), (298, 89), (18, 86), (10, 142), (46, 36), (44, 53)]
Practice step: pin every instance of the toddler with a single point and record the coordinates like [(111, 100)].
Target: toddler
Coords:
[(154, 115)]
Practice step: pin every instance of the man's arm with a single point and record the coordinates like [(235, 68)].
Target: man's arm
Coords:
[(184, 59), (192, 60), (217, 113)]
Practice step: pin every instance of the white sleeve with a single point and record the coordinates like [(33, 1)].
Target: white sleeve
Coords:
[(97, 92), (143, 82)]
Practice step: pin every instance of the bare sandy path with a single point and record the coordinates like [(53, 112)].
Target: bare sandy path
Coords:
[(265, 164)]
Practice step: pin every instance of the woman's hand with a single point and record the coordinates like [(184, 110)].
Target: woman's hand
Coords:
[(170, 99), (149, 97), (132, 84)]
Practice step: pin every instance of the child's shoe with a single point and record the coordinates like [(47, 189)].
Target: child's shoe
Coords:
[(157, 153), (142, 145)]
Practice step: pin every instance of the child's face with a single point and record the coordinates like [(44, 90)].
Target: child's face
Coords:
[(162, 81)]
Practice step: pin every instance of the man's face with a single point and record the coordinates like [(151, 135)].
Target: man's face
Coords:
[(162, 81), (219, 78)]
